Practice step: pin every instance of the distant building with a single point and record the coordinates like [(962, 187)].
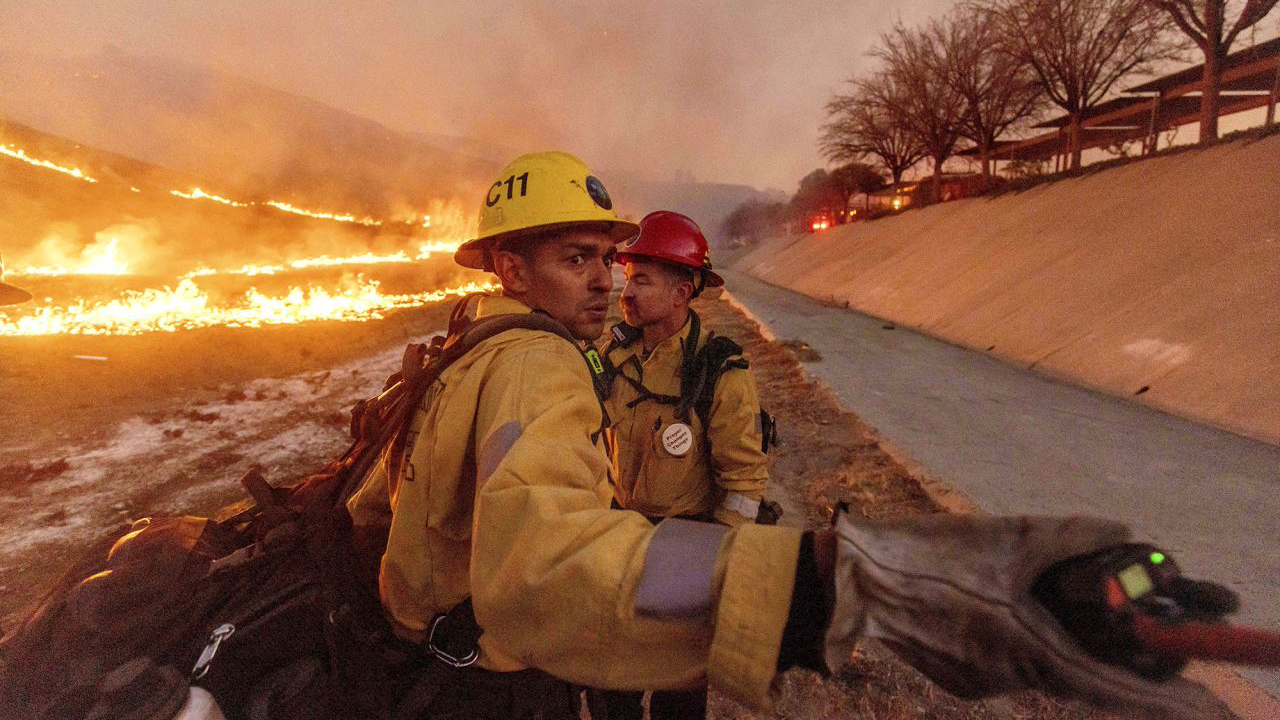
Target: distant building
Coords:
[(900, 196), (892, 198)]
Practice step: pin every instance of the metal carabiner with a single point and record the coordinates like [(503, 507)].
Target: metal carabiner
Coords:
[(445, 657), (220, 633)]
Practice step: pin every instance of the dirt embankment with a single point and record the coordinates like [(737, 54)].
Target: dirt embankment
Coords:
[(1157, 280)]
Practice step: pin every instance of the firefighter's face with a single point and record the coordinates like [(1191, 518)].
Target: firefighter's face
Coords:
[(568, 276), (653, 293)]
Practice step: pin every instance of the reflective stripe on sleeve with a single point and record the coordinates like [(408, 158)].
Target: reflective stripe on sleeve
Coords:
[(495, 447), (678, 569), (741, 504)]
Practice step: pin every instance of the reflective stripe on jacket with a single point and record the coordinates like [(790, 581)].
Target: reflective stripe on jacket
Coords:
[(500, 500), (723, 472)]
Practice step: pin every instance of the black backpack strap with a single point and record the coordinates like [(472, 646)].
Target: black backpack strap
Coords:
[(717, 356), (484, 328), (692, 371), (642, 393)]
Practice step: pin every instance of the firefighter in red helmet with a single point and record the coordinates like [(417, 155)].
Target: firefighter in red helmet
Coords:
[(688, 439)]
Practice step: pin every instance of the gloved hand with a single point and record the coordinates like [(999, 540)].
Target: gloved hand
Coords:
[(951, 595)]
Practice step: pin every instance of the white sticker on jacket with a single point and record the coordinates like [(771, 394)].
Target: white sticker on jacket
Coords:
[(677, 439)]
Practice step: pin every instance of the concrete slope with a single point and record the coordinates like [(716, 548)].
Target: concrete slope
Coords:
[(1015, 442), (1162, 274)]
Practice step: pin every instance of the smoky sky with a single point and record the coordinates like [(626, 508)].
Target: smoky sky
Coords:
[(726, 91)]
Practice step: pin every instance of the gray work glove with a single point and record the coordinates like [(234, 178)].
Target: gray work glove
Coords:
[(951, 595)]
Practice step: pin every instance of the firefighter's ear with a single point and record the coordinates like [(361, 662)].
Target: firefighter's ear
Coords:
[(513, 271), (685, 291)]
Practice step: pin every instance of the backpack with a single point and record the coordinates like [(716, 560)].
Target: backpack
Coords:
[(271, 610)]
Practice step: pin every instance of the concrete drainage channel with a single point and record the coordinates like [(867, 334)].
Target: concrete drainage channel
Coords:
[(1016, 442)]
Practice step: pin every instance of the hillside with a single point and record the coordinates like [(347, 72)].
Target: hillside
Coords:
[(50, 217), (251, 137), (707, 203), (1157, 281), (255, 140)]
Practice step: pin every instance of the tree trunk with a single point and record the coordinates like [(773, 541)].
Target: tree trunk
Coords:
[(1152, 141), (935, 190), (1209, 95), (1213, 55), (1074, 141), (985, 154), (1271, 100)]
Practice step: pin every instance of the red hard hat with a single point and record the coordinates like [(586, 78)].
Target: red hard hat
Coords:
[(674, 238)]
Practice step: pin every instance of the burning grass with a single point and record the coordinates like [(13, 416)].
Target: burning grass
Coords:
[(101, 297), (112, 258), (187, 306)]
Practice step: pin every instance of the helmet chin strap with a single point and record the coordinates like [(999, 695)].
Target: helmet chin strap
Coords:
[(699, 283)]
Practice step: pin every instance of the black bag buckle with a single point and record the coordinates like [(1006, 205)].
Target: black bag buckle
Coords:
[(448, 658)]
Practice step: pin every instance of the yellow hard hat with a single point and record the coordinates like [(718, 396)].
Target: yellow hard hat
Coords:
[(541, 191)]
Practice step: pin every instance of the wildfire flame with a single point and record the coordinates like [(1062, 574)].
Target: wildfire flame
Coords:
[(198, 194), (18, 153), (425, 250), (344, 217), (188, 307)]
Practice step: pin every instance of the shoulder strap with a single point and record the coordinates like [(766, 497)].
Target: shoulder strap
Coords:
[(717, 356), (477, 331)]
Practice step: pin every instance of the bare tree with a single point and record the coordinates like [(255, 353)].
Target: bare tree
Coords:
[(998, 89), (862, 125), (930, 108), (1208, 28), (1080, 49)]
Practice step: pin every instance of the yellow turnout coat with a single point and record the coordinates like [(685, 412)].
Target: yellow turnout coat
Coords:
[(500, 500), (719, 471)]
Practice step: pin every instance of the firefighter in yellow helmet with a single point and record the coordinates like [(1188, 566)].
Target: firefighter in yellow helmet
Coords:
[(511, 576), (11, 294)]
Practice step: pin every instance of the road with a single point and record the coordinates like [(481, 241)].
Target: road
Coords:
[(1014, 441)]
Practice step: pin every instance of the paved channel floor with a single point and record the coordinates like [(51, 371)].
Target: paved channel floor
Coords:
[(1014, 441)]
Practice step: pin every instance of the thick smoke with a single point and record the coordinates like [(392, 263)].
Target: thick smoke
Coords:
[(722, 92)]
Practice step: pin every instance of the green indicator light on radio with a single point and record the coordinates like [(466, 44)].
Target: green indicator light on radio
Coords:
[(1157, 558)]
